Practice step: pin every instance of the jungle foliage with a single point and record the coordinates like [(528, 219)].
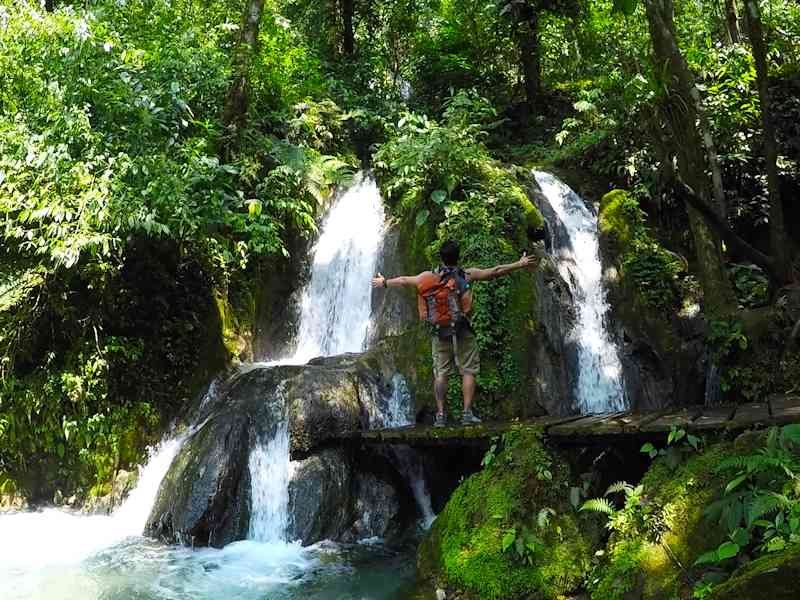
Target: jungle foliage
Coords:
[(136, 186)]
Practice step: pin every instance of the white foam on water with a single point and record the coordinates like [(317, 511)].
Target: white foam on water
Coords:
[(56, 554), (55, 536), (599, 388)]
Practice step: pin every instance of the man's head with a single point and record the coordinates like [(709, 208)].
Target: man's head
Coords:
[(449, 253)]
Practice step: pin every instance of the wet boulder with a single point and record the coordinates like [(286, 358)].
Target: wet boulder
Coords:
[(205, 496), (320, 497)]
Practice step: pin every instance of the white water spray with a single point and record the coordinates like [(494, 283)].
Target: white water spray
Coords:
[(54, 536), (599, 388), (334, 319)]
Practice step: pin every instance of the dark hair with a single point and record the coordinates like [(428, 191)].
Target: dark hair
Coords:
[(449, 253)]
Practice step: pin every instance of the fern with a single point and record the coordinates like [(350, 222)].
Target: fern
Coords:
[(765, 504), (600, 505), (619, 486)]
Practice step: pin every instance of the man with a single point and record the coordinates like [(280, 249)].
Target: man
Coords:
[(445, 299)]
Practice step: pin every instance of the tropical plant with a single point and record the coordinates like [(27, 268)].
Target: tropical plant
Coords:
[(760, 506)]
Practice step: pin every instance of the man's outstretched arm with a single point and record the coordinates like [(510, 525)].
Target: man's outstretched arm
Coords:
[(407, 280), (525, 262)]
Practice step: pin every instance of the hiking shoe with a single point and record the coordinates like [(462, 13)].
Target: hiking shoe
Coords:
[(469, 419), (439, 421)]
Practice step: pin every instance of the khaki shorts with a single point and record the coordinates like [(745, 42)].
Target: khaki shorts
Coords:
[(469, 360)]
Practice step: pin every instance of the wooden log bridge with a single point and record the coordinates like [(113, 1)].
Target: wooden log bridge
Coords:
[(585, 429)]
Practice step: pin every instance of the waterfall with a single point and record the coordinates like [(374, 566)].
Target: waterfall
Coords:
[(269, 480), (599, 386), (335, 306), (334, 318)]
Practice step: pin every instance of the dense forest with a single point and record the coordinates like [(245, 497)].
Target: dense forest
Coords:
[(165, 164)]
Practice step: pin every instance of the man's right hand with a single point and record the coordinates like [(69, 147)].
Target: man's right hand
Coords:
[(527, 262)]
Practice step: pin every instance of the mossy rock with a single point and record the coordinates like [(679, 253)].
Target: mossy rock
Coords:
[(615, 219), (650, 570), (774, 576), (464, 549)]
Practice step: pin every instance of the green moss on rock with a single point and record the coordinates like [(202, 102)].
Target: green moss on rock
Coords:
[(774, 576), (464, 549)]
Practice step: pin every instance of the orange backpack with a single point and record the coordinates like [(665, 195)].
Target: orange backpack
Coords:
[(443, 299)]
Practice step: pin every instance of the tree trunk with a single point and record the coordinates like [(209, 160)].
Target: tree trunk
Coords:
[(237, 102), (680, 110), (348, 40), (528, 42), (777, 230), (732, 22)]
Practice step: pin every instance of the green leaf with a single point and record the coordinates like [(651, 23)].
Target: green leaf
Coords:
[(438, 196), (575, 496), (422, 217), (254, 208), (707, 558), (776, 544), (509, 537), (732, 485), (647, 448), (740, 536), (728, 550)]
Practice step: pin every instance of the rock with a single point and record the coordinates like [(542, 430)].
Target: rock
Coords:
[(662, 351), (554, 355), (204, 499), (463, 551), (121, 486), (638, 569), (320, 501), (773, 576), (376, 508), (392, 313)]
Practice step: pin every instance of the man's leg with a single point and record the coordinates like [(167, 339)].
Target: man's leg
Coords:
[(469, 361), (440, 391), (442, 369), (468, 387)]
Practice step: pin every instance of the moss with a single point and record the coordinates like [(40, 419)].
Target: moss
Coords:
[(615, 217), (681, 495), (773, 576), (464, 548)]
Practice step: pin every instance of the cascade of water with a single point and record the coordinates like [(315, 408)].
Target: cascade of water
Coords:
[(334, 319), (335, 306), (269, 484), (599, 386)]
